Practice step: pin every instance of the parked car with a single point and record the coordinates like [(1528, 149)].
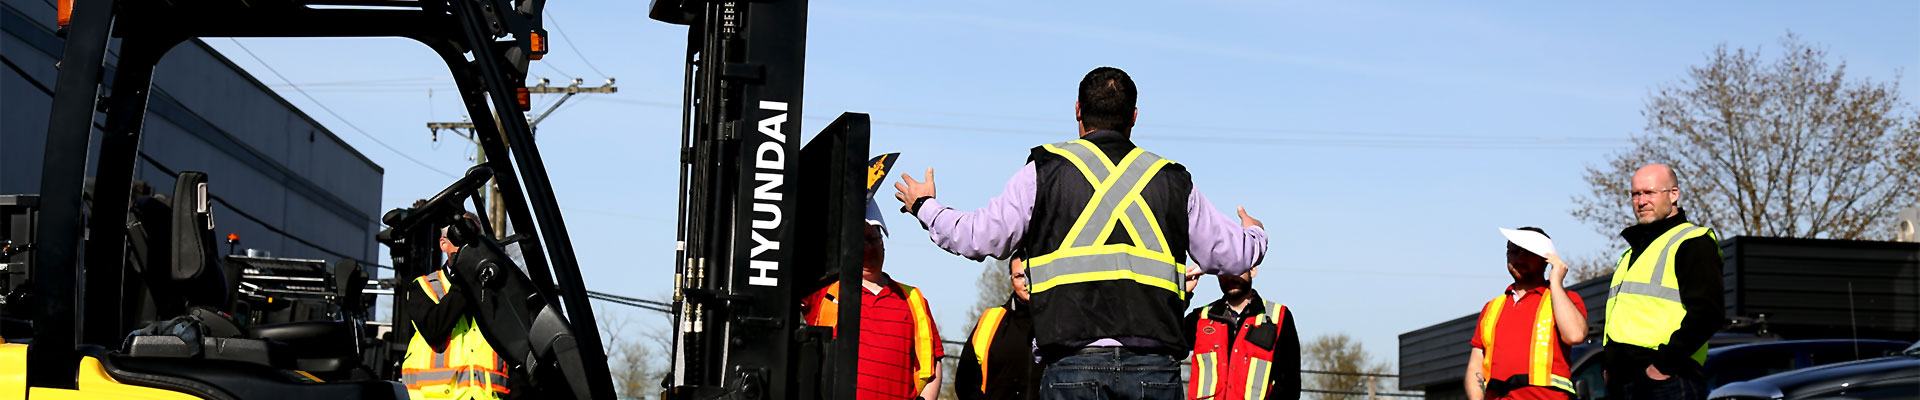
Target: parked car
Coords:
[(1738, 357), (1894, 377)]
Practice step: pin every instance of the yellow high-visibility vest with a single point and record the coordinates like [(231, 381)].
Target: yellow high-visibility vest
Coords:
[(468, 370), (1643, 303)]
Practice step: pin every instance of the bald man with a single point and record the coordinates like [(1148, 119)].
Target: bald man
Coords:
[(1665, 300)]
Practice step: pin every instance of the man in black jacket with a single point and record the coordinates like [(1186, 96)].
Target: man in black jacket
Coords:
[(1666, 300), (998, 361)]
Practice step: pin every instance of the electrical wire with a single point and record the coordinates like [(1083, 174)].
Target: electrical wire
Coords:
[(568, 39), (336, 115)]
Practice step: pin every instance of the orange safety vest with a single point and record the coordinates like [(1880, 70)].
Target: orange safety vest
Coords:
[(1233, 368), (825, 311), (1546, 366), (468, 369)]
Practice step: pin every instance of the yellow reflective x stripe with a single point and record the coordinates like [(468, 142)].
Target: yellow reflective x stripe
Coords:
[(1116, 202), (1113, 194), (1117, 193)]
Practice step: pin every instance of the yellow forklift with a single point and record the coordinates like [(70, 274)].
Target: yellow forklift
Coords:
[(109, 312)]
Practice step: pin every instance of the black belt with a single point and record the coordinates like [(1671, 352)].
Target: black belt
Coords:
[(1050, 357)]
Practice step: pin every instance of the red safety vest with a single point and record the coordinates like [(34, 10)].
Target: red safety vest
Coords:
[(1546, 366), (1232, 368)]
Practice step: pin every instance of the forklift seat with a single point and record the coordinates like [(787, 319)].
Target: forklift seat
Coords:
[(329, 348)]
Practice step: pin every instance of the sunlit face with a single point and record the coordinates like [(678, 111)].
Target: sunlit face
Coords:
[(1654, 194), (1018, 275), (446, 246)]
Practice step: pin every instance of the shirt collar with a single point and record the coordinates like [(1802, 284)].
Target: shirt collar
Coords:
[(1536, 290)]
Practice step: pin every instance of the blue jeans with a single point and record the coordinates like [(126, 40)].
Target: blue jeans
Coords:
[(1113, 374)]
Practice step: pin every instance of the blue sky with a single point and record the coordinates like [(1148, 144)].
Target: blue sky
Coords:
[(1381, 142)]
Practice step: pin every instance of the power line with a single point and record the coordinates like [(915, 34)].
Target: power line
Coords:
[(336, 115), (550, 65), (569, 40), (1293, 137)]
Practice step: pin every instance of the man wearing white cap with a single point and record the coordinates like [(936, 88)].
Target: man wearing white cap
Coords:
[(899, 345), (1519, 346)]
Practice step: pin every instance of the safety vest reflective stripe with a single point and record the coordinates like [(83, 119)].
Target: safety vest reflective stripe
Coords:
[(435, 285), (1116, 203), (1257, 378), (1539, 352), (1643, 302), (922, 337), (1207, 367), (983, 339), (826, 312), (1488, 322), (468, 369), (457, 376), (1203, 366)]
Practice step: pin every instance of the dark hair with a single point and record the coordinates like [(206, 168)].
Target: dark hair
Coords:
[(1542, 232), (1107, 99)]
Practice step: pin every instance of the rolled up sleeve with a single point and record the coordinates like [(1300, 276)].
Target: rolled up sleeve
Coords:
[(992, 231), (1217, 244)]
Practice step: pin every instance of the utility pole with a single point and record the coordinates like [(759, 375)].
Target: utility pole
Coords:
[(497, 211)]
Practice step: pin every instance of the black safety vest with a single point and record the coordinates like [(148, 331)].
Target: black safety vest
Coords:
[(1106, 247)]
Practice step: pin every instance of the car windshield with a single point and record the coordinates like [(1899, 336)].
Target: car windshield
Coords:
[(1913, 350)]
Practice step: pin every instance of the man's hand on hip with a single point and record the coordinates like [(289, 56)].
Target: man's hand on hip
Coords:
[(910, 190), (1655, 374)]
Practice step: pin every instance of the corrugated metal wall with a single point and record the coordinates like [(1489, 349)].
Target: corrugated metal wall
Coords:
[(289, 186)]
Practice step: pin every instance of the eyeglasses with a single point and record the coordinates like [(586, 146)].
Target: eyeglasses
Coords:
[(1637, 194)]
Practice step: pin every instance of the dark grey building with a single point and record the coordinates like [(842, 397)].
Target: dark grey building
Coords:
[(1792, 288), (285, 183)]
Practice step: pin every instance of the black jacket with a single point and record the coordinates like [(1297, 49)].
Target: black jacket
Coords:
[(1698, 266), (1011, 371), (434, 321), (1285, 377)]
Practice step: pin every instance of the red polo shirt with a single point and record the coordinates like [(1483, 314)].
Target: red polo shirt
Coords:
[(886, 339), (1516, 327)]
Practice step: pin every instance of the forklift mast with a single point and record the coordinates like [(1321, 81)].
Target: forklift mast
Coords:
[(762, 221), (486, 44)]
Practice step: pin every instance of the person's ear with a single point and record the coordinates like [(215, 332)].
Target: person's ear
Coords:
[(1136, 117), (1076, 111)]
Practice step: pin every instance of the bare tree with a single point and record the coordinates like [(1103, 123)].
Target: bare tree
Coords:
[(636, 354), (1596, 265), (992, 288), (1340, 360), (1781, 144)]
